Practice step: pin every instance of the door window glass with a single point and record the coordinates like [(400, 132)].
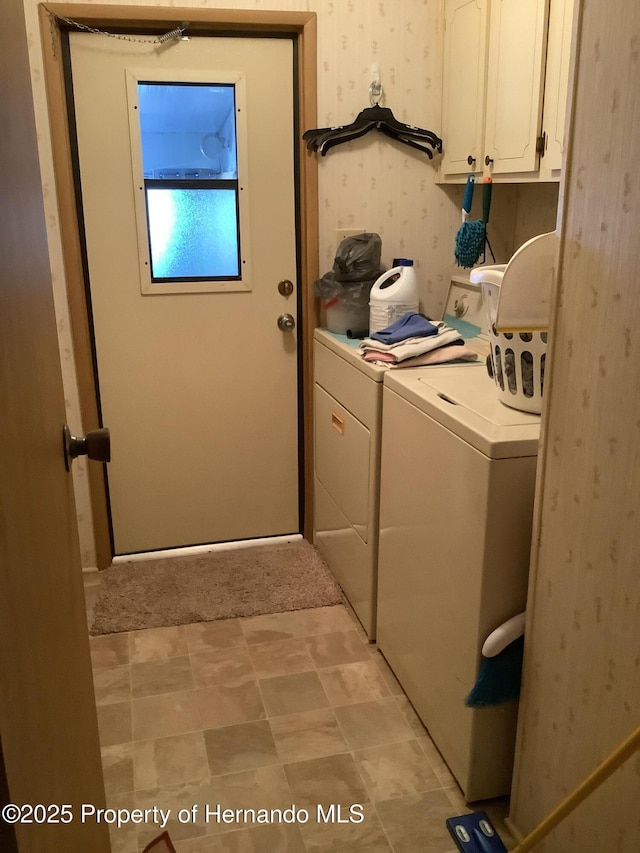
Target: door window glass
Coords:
[(193, 231), (188, 131), (191, 186)]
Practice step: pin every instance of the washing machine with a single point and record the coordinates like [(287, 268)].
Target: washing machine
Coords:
[(456, 507), (347, 427)]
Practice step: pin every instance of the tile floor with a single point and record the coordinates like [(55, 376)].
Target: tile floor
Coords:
[(266, 712)]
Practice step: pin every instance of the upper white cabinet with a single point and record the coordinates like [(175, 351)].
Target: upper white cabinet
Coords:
[(557, 85), (505, 78), (515, 84), (465, 84)]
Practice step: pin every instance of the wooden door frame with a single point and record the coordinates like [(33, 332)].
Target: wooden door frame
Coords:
[(301, 26)]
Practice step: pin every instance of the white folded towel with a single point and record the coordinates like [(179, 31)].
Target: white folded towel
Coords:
[(413, 346)]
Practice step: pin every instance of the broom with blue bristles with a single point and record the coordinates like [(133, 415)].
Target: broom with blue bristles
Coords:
[(498, 681), (501, 669)]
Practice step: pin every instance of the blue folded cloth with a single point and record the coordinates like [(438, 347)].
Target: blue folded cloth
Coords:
[(410, 325)]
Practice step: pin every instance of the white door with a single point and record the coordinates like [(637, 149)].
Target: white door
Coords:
[(197, 381), (47, 711)]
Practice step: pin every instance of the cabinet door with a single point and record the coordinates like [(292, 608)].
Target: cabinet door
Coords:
[(515, 83), (557, 81), (464, 73)]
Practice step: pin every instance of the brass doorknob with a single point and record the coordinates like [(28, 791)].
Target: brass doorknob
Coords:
[(286, 323), (96, 444), (285, 287)]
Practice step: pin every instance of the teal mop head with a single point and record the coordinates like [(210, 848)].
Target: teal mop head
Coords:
[(499, 677), (469, 243), (471, 235)]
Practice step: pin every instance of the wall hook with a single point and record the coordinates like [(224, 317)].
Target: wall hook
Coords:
[(376, 92)]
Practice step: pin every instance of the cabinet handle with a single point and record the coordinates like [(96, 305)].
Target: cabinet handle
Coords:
[(488, 160), (471, 160), (337, 423)]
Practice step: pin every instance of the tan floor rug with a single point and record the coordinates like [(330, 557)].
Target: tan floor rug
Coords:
[(215, 585)]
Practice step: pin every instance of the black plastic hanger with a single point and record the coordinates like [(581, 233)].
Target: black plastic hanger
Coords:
[(374, 117), (323, 138)]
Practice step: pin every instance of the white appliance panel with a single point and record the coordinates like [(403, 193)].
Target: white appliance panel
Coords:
[(455, 530), (348, 404)]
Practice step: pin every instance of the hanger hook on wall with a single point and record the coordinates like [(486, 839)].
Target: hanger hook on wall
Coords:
[(376, 92), (375, 117)]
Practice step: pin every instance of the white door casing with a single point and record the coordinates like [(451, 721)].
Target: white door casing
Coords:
[(199, 389)]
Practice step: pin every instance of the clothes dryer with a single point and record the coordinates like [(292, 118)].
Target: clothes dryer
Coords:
[(347, 424)]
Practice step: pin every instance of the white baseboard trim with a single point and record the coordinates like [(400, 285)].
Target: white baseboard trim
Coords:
[(194, 550), (90, 570)]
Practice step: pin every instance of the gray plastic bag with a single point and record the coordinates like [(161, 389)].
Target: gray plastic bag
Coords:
[(355, 268)]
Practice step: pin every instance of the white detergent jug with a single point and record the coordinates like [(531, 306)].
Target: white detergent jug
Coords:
[(393, 294)]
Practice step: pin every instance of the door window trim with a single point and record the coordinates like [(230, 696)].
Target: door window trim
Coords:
[(148, 286)]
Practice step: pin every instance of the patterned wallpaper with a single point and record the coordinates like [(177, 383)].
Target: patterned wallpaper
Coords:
[(582, 661), (371, 183)]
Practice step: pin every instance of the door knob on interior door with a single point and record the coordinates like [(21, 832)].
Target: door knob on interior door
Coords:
[(96, 445), (286, 323)]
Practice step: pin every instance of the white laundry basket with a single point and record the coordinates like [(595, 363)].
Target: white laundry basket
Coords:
[(522, 290), (517, 365), (517, 360)]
